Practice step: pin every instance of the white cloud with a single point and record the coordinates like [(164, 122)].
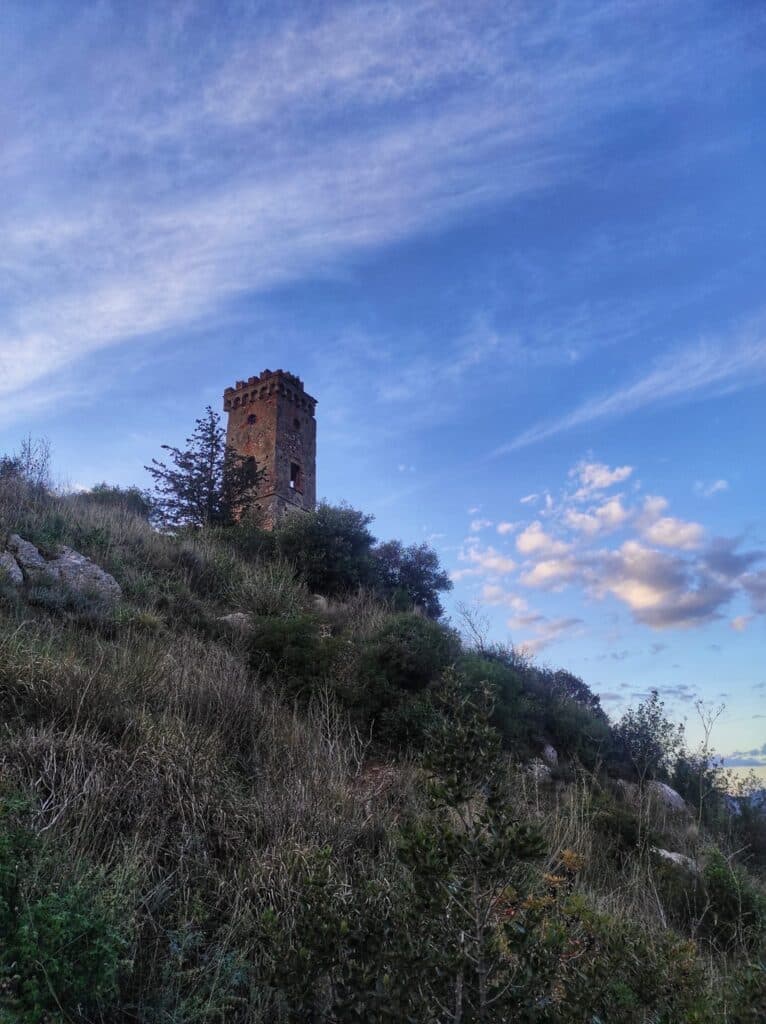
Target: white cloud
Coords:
[(604, 518), (741, 622), (529, 499), (504, 528), (707, 490), (536, 542), (546, 630), (668, 531), (552, 573), (484, 560), (477, 525), (595, 476), (661, 589), (494, 594)]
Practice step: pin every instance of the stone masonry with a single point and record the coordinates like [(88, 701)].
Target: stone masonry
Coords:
[(271, 419)]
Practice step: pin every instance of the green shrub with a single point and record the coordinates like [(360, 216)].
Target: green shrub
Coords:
[(130, 499), (331, 548), (268, 589), (61, 946), (736, 908), (293, 650), (618, 827), (409, 652)]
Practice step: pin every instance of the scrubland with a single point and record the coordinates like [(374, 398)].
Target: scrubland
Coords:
[(335, 812)]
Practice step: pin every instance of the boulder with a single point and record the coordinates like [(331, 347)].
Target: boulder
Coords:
[(239, 621), (81, 575), (320, 602), (667, 796), (32, 564), (550, 755), (679, 859), (662, 794), (77, 573), (9, 567)]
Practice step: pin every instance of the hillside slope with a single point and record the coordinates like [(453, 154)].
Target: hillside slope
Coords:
[(226, 800)]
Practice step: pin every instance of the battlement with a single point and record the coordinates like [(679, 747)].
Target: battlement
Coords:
[(266, 384)]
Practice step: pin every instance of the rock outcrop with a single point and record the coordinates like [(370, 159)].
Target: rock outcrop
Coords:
[(10, 568), (33, 566), (80, 574), (679, 859), (239, 621), (23, 563), (662, 794), (667, 796), (550, 755)]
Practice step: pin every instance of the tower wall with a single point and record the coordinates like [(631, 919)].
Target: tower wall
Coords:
[(271, 417)]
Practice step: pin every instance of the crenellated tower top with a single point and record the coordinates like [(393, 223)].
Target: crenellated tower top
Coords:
[(271, 419)]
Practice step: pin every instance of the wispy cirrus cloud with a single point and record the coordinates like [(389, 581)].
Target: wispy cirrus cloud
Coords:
[(161, 163), (710, 368)]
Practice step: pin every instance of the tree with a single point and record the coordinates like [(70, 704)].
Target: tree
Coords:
[(207, 483), (649, 740), (570, 687), (331, 548), (412, 574), (131, 499), (30, 464)]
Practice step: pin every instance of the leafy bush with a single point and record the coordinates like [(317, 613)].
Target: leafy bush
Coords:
[(131, 499), (270, 588), (292, 650), (62, 948), (411, 577), (331, 548), (735, 911), (410, 652)]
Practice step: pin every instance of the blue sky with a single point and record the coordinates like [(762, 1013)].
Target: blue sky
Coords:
[(516, 250)]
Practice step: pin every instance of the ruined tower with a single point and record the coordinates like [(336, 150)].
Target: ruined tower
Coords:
[(271, 418)]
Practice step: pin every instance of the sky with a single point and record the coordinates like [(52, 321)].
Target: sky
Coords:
[(515, 250)]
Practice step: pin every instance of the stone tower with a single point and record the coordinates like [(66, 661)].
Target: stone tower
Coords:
[(271, 418)]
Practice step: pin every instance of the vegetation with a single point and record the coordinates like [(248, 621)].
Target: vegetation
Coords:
[(206, 483), (327, 814)]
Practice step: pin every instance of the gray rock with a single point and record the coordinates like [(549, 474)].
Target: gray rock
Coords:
[(10, 567), (82, 575), (679, 859), (321, 604), (32, 563), (238, 620), (667, 796), (550, 755)]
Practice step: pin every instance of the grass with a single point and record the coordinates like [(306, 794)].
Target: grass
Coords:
[(234, 829)]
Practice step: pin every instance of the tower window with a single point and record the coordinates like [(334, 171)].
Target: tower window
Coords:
[(252, 418), (296, 424), (296, 477)]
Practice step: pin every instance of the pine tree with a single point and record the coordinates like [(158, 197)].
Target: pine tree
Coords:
[(207, 483)]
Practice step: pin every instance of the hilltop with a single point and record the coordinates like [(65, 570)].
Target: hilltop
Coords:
[(264, 780)]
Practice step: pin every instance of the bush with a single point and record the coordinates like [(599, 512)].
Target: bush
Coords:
[(409, 652), (411, 577), (735, 912), (331, 548), (130, 499), (270, 588), (292, 650), (61, 948)]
